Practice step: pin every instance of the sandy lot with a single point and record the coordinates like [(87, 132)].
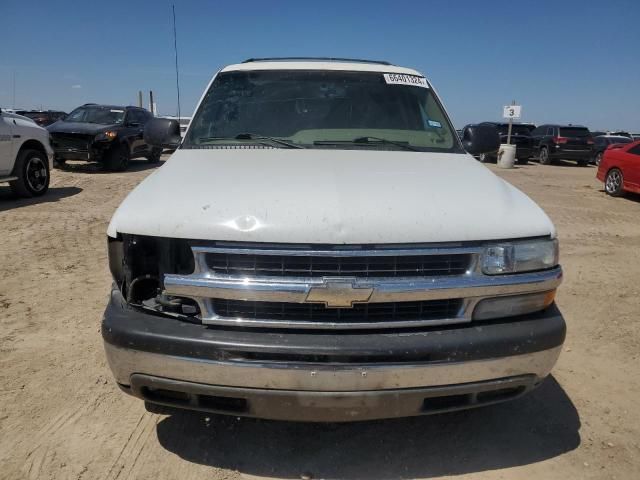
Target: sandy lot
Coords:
[(62, 416)]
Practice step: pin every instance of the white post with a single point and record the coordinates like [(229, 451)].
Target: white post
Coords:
[(513, 102)]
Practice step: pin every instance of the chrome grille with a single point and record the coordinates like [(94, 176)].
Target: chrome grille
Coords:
[(362, 312), (342, 287), (320, 266)]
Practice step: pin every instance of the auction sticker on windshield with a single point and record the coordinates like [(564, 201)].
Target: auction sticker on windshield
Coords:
[(401, 79)]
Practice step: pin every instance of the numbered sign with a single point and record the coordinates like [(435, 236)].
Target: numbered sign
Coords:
[(511, 111)]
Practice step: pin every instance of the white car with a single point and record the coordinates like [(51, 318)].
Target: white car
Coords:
[(25, 155), (321, 247)]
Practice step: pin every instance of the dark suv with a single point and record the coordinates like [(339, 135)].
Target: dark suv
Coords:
[(569, 142), (520, 137), (43, 118), (111, 135)]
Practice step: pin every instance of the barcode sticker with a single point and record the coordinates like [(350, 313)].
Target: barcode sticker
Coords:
[(402, 79)]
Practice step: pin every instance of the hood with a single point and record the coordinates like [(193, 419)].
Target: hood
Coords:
[(76, 127), (327, 197)]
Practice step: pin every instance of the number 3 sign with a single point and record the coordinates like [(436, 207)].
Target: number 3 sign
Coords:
[(511, 111)]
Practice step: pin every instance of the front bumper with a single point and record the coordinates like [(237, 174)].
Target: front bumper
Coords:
[(94, 151), (327, 377)]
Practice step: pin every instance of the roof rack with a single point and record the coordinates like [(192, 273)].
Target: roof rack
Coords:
[(316, 59)]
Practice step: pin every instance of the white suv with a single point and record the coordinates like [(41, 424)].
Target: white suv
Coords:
[(321, 247), (25, 155)]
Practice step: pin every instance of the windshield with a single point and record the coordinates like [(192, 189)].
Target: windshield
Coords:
[(574, 132), (96, 114), (322, 109)]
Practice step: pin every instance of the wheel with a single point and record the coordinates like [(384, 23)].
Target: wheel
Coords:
[(598, 158), (154, 157), (485, 157), (544, 156), (613, 182), (117, 159), (32, 170)]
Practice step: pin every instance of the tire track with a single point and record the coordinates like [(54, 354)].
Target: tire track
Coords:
[(127, 460)]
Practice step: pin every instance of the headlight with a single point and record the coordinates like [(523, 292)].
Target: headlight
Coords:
[(525, 256), (108, 136)]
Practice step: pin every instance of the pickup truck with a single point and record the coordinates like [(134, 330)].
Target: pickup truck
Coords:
[(25, 155), (323, 247)]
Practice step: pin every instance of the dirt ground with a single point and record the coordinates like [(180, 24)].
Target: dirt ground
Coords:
[(62, 416)]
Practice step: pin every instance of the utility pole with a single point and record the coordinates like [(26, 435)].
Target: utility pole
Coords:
[(151, 109), (14, 90), (140, 98), (175, 49)]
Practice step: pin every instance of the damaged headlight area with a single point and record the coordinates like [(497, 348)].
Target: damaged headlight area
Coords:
[(138, 265), (521, 256)]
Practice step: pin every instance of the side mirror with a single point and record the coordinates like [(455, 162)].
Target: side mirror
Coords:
[(162, 132), (481, 138)]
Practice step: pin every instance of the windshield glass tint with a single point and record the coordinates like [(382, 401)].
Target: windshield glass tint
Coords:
[(574, 132), (101, 115), (307, 107)]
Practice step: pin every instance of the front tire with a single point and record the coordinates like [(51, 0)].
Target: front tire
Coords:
[(32, 170), (613, 182), (154, 156), (117, 159), (598, 158), (544, 157)]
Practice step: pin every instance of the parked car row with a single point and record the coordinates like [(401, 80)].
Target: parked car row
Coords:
[(550, 142), (109, 134)]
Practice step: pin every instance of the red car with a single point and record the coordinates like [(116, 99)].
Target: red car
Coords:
[(620, 169)]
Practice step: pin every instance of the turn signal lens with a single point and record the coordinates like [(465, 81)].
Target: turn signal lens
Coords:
[(110, 134), (513, 305)]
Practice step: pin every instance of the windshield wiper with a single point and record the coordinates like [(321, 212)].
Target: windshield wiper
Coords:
[(368, 141), (253, 136)]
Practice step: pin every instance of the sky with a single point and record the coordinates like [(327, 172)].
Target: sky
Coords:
[(563, 61)]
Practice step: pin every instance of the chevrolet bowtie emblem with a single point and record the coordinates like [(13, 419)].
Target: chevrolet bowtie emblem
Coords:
[(338, 293)]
